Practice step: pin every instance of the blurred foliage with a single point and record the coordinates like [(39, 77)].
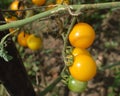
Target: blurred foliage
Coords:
[(5, 3)]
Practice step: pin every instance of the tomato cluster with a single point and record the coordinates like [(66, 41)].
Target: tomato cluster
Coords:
[(84, 66), (29, 40)]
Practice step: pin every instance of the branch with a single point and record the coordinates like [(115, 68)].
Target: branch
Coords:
[(57, 9), (50, 87)]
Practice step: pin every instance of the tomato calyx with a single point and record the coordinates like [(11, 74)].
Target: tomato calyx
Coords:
[(69, 58)]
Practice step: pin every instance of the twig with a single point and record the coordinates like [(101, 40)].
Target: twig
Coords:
[(56, 10), (65, 38), (50, 87), (109, 66)]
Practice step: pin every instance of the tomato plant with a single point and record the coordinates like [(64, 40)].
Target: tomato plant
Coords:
[(22, 38), (76, 85), (76, 51), (82, 35), (83, 68), (33, 42), (38, 2), (62, 1)]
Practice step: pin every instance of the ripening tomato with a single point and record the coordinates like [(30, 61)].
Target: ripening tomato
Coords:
[(38, 2), (22, 38), (83, 67), (34, 43), (76, 85), (82, 35), (62, 1), (76, 51)]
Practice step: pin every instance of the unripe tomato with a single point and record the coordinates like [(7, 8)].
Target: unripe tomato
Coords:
[(83, 68), (62, 1), (38, 2), (82, 35), (22, 38), (76, 85), (76, 51), (33, 42)]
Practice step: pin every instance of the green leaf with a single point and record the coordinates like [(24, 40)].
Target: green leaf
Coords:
[(4, 53)]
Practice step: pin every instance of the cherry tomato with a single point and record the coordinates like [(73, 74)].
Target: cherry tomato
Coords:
[(82, 35), (22, 38), (38, 2), (76, 51), (17, 5), (83, 68), (62, 1), (33, 42), (14, 5), (76, 85)]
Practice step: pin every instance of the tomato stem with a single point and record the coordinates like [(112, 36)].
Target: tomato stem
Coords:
[(58, 8), (50, 87), (65, 37)]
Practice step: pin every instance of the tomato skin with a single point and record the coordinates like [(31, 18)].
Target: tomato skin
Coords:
[(22, 38), (83, 68), (34, 43), (82, 35), (64, 2), (76, 86), (38, 2), (76, 51)]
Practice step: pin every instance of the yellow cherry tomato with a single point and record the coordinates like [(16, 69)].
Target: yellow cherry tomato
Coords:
[(17, 5), (14, 5), (62, 1), (38, 2), (82, 35), (22, 38), (76, 51), (33, 42), (83, 68)]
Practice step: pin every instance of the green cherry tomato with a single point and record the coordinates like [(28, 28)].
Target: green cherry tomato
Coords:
[(76, 85)]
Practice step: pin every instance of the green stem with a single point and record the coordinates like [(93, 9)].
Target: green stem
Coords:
[(66, 37), (109, 66), (5, 37), (56, 10), (50, 87)]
